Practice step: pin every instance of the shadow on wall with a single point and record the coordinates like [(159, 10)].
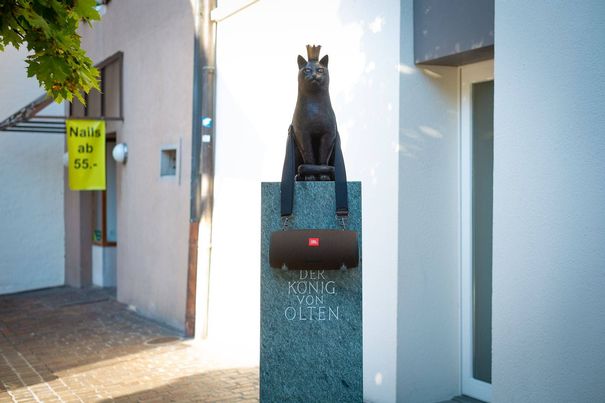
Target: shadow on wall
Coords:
[(237, 384), (436, 79)]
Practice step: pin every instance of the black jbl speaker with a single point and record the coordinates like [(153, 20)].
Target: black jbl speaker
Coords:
[(308, 249)]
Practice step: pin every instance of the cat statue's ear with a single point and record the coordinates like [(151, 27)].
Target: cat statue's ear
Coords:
[(301, 62), (324, 61)]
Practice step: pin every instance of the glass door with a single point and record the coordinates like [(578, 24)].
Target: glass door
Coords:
[(476, 169)]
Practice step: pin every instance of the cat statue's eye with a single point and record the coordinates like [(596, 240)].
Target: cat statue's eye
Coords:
[(307, 70), (320, 70)]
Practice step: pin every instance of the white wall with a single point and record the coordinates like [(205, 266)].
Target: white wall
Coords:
[(32, 235), (257, 86), (549, 197), (152, 213), (428, 364)]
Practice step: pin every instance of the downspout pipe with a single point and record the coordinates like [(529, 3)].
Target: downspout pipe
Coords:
[(202, 167)]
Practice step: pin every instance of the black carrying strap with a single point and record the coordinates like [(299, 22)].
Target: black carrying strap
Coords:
[(340, 181), (287, 177), (289, 172)]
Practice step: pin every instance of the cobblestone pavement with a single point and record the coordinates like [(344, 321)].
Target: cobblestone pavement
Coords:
[(73, 345)]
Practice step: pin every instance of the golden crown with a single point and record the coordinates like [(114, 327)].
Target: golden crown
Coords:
[(313, 52)]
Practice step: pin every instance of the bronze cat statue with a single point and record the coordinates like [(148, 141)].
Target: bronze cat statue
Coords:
[(314, 123)]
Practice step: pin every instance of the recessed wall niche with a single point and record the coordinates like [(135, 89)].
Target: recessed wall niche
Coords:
[(169, 161)]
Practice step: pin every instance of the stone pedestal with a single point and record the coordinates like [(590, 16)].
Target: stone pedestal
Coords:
[(311, 320)]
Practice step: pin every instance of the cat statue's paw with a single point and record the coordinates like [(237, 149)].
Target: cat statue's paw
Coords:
[(325, 178), (309, 178)]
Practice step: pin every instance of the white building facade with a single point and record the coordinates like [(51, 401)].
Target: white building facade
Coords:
[(476, 130)]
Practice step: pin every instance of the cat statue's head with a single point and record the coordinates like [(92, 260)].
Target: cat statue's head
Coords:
[(313, 75)]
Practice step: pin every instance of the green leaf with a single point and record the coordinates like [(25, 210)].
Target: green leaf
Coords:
[(36, 21), (86, 9)]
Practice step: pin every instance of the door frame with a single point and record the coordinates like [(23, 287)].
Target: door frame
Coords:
[(469, 75), (104, 242)]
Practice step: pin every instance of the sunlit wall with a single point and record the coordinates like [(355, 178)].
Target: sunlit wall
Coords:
[(257, 87)]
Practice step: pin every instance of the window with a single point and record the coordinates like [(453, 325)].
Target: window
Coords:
[(476, 193), (106, 104)]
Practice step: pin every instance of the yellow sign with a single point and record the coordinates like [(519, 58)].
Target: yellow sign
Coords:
[(86, 151)]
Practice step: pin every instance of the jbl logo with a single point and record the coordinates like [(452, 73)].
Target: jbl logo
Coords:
[(313, 241)]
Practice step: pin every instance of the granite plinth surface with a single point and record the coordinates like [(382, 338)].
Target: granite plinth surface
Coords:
[(311, 320)]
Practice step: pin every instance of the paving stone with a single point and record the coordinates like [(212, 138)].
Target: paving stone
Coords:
[(81, 345)]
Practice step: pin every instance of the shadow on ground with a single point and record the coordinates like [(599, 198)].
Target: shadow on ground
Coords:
[(229, 385), (56, 329)]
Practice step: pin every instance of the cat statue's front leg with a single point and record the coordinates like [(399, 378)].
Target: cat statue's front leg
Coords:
[(307, 153), (326, 146)]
